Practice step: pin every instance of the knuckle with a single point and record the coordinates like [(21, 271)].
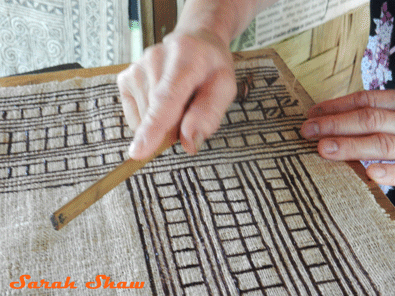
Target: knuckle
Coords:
[(123, 82), (176, 45), (226, 81), (160, 118), (372, 99), (135, 71), (152, 53), (132, 82), (371, 119), (164, 109), (162, 102), (125, 77), (350, 147), (152, 117), (365, 99), (332, 126), (386, 145), (149, 51), (174, 88), (121, 79)]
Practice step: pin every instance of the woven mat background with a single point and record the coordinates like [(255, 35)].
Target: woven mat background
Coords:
[(256, 212), (37, 34)]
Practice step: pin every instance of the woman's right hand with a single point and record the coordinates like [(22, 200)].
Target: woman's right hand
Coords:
[(155, 91)]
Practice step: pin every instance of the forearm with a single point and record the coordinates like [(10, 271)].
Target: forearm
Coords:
[(226, 18)]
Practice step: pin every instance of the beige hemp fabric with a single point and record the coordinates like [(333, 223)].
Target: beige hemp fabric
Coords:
[(256, 212)]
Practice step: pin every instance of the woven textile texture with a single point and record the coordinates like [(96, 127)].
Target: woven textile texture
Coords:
[(36, 34), (256, 212)]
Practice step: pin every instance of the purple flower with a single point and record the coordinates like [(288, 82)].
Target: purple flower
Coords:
[(374, 84), (369, 54), (375, 62), (382, 57), (385, 14)]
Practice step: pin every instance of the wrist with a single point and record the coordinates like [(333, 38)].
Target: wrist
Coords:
[(218, 17)]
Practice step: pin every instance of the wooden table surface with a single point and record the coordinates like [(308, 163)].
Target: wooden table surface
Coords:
[(381, 198), (60, 75)]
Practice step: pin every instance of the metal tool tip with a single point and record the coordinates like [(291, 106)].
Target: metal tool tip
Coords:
[(54, 221)]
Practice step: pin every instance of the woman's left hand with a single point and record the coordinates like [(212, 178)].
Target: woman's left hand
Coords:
[(360, 126)]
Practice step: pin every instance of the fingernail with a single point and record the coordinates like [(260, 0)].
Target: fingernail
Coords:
[(135, 147), (198, 141), (378, 172), (330, 147), (311, 130)]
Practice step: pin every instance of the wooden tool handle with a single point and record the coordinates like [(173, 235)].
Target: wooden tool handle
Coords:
[(87, 198)]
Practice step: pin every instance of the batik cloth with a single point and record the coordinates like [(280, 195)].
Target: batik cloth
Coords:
[(37, 34), (255, 212)]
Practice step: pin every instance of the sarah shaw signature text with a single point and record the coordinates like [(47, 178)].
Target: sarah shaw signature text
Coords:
[(71, 285)]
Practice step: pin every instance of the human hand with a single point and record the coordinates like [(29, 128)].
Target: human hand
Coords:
[(156, 90), (360, 126)]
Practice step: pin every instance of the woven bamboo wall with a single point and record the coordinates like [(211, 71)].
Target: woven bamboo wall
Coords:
[(326, 59)]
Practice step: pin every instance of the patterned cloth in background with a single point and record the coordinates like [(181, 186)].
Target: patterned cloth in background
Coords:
[(378, 61), (37, 34)]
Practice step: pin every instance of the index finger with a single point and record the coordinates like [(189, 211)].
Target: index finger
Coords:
[(382, 99)]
